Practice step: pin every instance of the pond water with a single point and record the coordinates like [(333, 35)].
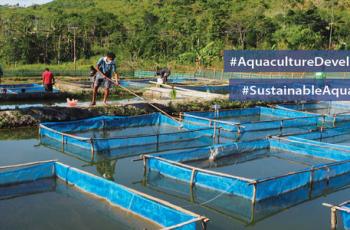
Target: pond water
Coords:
[(52, 204), (250, 118), (253, 164), (129, 131), (21, 146)]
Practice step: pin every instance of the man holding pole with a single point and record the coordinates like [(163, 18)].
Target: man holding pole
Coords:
[(106, 69)]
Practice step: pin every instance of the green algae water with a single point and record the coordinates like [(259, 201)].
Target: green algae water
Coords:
[(20, 146)]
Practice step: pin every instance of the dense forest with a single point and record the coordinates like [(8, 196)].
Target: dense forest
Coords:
[(179, 30)]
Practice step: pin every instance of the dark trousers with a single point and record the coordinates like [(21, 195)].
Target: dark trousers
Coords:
[(48, 87)]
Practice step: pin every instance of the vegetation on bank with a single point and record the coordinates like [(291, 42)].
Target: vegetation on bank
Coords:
[(181, 32), (34, 116)]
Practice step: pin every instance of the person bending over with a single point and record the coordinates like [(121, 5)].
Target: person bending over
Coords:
[(164, 73)]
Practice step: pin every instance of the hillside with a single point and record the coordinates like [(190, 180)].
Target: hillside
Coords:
[(168, 30)]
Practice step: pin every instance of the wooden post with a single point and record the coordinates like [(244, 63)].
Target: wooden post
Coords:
[(193, 175), (311, 181), (62, 142), (157, 142), (92, 149), (219, 133), (333, 218), (238, 132), (144, 165), (254, 194), (214, 134), (281, 127)]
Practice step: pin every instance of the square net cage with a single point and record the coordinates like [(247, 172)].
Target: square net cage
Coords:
[(335, 112), (338, 137), (255, 123), (243, 209), (240, 169), (116, 136), (40, 177)]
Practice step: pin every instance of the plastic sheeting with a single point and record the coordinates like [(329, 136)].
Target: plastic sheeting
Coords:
[(186, 135), (155, 210), (173, 165)]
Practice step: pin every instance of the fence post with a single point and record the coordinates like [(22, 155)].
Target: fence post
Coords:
[(254, 193), (92, 149), (333, 218), (193, 175), (157, 142), (219, 134), (62, 142), (144, 165)]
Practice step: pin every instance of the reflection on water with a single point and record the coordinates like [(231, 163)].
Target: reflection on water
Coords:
[(288, 212), (106, 168), (45, 203), (18, 133), (121, 152)]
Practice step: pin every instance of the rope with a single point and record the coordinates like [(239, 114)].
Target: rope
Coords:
[(212, 199), (135, 94)]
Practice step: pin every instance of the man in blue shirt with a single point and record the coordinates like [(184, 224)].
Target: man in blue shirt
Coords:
[(106, 68)]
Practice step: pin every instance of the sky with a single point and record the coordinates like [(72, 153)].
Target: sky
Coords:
[(23, 2)]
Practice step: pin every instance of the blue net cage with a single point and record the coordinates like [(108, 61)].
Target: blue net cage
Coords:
[(243, 210), (115, 136), (255, 123), (162, 214), (335, 112), (315, 165), (23, 88)]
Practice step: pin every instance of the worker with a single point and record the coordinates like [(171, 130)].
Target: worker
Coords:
[(92, 75), (164, 74), (48, 80), (106, 69)]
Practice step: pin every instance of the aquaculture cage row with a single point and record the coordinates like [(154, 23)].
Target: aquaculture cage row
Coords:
[(32, 178), (117, 136), (224, 154), (255, 123), (243, 209), (127, 135), (334, 113), (315, 165)]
